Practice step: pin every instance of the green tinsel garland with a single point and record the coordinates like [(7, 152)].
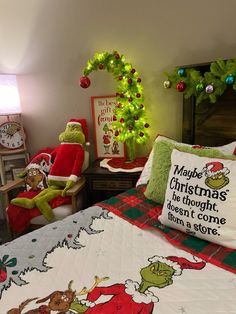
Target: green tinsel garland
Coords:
[(129, 121), (209, 86)]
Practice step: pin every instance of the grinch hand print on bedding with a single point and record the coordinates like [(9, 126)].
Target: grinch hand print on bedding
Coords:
[(201, 197)]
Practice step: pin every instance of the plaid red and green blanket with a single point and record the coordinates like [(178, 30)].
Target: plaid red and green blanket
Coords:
[(134, 207)]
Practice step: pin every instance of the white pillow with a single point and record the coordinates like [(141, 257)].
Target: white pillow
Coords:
[(228, 149), (200, 197)]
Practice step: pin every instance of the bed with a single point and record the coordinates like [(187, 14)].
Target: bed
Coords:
[(117, 257)]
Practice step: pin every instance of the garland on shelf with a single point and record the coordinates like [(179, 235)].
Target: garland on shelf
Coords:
[(209, 86), (129, 120)]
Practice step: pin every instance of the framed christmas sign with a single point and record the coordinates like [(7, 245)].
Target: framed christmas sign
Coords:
[(105, 145)]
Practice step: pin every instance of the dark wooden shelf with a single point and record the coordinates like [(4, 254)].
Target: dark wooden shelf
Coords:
[(102, 183)]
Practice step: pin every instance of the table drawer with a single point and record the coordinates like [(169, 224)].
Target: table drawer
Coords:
[(112, 185)]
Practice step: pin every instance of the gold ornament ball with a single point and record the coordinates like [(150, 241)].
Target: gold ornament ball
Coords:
[(167, 84)]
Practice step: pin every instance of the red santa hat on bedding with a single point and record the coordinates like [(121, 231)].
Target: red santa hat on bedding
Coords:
[(178, 263), (83, 124)]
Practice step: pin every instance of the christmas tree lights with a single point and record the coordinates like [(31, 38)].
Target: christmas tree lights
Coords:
[(129, 121), (209, 86)]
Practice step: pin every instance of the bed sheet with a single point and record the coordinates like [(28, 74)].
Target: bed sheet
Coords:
[(134, 207), (126, 270)]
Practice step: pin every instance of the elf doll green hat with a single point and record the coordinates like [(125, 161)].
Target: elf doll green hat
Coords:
[(83, 124)]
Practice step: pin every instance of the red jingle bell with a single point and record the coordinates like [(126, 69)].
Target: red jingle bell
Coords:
[(117, 56), (180, 86), (84, 82)]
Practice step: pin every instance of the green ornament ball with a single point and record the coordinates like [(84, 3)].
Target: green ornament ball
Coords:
[(199, 87)]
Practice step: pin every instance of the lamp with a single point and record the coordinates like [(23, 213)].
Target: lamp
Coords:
[(9, 95)]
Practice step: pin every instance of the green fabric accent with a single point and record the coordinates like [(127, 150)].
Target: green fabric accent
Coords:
[(161, 164), (163, 228), (56, 183), (133, 213), (132, 192), (69, 184), (111, 201), (42, 201), (195, 243), (230, 259), (23, 202)]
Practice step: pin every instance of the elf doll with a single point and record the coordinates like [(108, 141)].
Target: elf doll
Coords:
[(67, 162)]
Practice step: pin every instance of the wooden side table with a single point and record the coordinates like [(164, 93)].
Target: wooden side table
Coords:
[(102, 183)]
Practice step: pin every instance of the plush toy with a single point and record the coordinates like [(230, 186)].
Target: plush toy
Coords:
[(67, 161), (36, 172)]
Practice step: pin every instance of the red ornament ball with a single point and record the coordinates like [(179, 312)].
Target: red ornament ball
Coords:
[(139, 80), (130, 99), (120, 77), (133, 71), (122, 120), (136, 118), (138, 95), (101, 66), (130, 81), (146, 125), (116, 133), (114, 118), (117, 56), (141, 134), (141, 106), (180, 86), (84, 82)]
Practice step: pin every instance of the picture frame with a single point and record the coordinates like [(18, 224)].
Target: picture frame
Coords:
[(16, 171), (106, 146)]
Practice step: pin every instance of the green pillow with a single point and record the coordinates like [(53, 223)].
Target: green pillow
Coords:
[(161, 164)]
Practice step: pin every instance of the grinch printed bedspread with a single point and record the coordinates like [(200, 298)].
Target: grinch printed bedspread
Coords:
[(97, 262)]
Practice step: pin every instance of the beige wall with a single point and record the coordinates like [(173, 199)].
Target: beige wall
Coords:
[(48, 42)]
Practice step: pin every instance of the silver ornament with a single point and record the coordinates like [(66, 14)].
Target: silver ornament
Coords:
[(167, 84), (209, 89)]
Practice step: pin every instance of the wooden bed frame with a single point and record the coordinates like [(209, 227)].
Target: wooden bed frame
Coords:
[(210, 124)]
